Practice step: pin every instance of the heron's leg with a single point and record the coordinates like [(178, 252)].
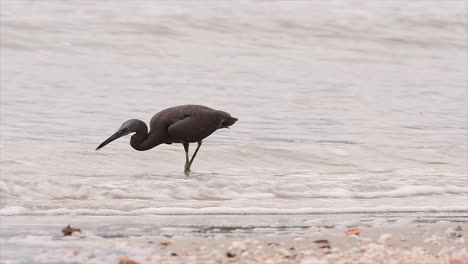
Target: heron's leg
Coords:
[(195, 153), (187, 163)]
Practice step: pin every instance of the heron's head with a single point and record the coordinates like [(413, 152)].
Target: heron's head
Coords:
[(128, 127)]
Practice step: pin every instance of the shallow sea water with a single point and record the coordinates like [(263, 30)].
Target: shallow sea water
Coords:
[(344, 107)]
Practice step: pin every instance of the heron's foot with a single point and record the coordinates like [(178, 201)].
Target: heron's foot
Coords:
[(187, 168)]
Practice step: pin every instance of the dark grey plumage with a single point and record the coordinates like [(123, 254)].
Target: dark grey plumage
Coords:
[(180, 124)]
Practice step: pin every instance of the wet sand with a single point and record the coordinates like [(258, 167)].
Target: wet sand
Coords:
[(111, 241)]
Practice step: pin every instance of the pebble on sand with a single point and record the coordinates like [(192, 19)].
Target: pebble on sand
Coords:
[(165, 243), (126, 260), (68, 230), (322, 243)]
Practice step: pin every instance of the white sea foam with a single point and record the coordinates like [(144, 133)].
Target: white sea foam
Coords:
[(18, 210), (404, 191), (4, 187), (220, 189), (14, 210)]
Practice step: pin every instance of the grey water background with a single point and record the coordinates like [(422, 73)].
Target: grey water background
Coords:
[(343, 106)]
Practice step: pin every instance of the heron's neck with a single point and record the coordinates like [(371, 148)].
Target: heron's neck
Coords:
[(141, 140)]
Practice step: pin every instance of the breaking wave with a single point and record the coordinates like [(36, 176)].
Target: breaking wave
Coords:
[(19, 210)]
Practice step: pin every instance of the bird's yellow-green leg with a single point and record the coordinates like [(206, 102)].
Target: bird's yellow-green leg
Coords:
[(187, 162), (195, 153)]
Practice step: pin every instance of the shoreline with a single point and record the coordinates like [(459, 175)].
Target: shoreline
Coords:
[(234, 239)]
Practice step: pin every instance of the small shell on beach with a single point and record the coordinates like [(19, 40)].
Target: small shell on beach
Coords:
[(354, 237), (434, 240), (126, 260), (451, 233), (284, 252), (165, 243), (365, 239), (353, 231), (235, 249), (235, 245), (250, 241), (384, 238)]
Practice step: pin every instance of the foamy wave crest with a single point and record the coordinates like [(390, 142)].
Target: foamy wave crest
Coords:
[(405, 191), (19, 210)]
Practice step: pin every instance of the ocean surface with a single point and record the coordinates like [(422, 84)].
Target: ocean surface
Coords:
[(344, 107)]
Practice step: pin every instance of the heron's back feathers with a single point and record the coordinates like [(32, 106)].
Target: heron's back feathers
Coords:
[(190, 123)]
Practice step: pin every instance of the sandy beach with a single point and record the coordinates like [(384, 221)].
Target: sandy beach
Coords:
[(172, 239), (400, 244)]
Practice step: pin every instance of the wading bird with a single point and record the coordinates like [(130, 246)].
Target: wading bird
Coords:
[(180, 124)]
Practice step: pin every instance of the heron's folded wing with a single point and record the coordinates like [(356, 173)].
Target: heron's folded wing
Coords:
[(193, 129)]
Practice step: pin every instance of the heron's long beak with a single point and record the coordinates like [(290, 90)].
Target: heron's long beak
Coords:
[(117, 135)]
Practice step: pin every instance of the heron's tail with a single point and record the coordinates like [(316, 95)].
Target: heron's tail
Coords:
[(228, 122)]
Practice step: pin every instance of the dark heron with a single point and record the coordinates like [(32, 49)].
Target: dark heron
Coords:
[(180, 124)]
